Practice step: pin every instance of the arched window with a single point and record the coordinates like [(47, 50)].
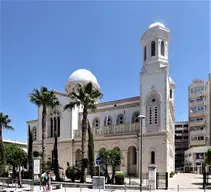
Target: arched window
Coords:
[(162, 48), (153, 111), (153, 48), (170, 93), (150, 115), (54, 124), (145, 53), (156, 114), (107, 121), (120, 119), (135, 118), (96, 126), (152, 157)]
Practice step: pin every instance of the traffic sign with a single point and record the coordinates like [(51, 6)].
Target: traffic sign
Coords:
[(98, 161)]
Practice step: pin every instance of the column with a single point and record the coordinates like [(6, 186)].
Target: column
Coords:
[(125, 162)]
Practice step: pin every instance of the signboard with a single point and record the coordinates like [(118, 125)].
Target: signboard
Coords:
[(98, 161), (151, 175), (36, 166), (98, 182)]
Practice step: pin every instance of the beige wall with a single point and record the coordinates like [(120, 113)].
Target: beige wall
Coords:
[(151, 142)]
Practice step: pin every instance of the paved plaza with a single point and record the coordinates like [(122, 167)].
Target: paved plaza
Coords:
[(182, 182)]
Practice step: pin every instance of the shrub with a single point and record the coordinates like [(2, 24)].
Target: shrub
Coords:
[(119, 178), (73, 173), (172, 174), (5, 174)]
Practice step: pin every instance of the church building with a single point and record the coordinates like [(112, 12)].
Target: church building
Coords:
[(115, 123)]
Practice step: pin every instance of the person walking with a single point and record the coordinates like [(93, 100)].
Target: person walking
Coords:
[(44, 178), (48, 182)]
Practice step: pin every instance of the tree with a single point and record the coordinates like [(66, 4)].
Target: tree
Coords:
[(111, 158), (16, 157), (104, 154), (55, 159), (4, 124), (30, 155), (44, 98), (115, 161), (91, 156), (208, 157), (87, 96)]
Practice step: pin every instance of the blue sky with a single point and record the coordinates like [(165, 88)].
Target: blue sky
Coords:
[(42, 43)]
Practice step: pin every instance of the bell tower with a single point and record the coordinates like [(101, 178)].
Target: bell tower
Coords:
[(156, 97), (155, 43)]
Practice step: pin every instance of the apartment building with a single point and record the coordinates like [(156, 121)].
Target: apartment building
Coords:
[(199, 113), (181, 143)]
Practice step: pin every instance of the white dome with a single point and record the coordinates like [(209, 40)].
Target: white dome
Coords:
[(156, 24), (81, 76)]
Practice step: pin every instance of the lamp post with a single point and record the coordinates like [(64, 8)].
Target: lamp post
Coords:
[(141, 117)]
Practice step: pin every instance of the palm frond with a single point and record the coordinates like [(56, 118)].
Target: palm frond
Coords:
[(71, 105), (5, 122)]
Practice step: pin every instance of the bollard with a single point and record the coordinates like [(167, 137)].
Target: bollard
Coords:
[(125, 188), (80, 189), (177, 188), (205, 189), (150, 188), (65, 188)]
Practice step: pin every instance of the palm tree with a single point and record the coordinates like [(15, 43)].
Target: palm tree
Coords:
[(87, 96), (4, 124), (44, 98)]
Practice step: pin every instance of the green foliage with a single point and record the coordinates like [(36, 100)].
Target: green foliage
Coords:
[(44, 97), (172, 174), (119, 178), (91, 156), (112, 158), (15, 155), (2, 158), (86, 95), (208, 157), (5, 123), (30, 155), (73, 173)]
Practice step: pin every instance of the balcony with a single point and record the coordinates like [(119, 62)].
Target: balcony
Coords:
[(198, 132), (194, 95), (197, 143), (192, 104), (198, 114), (197, 123), (122, 129)]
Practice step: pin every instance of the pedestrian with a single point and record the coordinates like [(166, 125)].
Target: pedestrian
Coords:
[(44, 178), (48, 182)]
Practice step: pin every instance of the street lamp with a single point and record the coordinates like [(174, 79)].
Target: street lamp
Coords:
[(141, 117)]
